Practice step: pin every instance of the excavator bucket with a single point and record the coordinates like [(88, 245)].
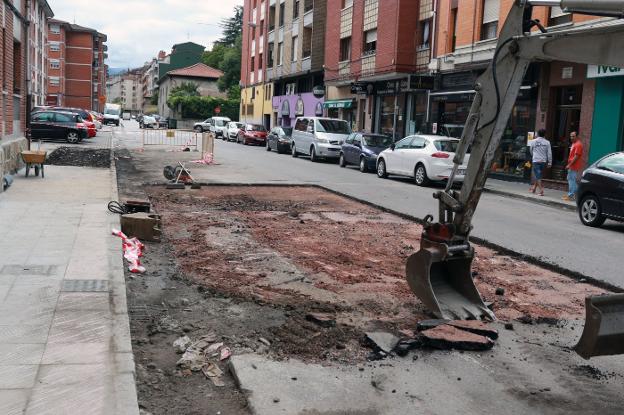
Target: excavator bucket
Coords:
[(444, 284), (603, 334)]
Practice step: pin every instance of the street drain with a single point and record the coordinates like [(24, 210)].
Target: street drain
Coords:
[(89, 286)]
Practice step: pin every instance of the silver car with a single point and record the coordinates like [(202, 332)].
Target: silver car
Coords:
[(320, 138)]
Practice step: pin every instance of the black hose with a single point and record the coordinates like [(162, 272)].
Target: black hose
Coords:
[(116, 207)]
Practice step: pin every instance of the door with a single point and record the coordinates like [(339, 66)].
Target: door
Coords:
[(394, 157), (355, 149), (412, 155), (299, 135), (61, 125), (612, 184), (346, 147), (40, 125)]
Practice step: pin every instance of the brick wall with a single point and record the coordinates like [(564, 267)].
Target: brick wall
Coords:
[(318, 34)]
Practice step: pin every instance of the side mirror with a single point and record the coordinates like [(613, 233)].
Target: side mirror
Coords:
[(392, 146), (310, 129)]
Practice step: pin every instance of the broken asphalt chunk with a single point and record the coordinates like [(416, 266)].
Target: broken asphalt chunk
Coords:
[(322, 319), (476, 327), (449, 337), (386, 342), (429, 324)]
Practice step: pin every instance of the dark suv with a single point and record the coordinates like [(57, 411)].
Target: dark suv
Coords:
[(64, 125)]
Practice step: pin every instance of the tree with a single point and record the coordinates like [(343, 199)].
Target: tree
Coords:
[(185, 89), (230, 66), (232, 27), (154, 99), (214, 57)]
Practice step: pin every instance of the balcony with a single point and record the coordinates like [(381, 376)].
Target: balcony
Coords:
[(368, 65), (308, 18), (346, 22), (262, 11), (252, 77), (269, 74), (295, 27), (293, 67), (306, 64), (271, 36), (344, 69), (261, 47)]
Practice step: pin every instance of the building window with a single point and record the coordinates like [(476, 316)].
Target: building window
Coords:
[(425, 34), (453, 26), (55, 47), (296, 9), (280, 53), (491, 10), (295, 48), (282, 9), (558, 16), (252, 65), (370, 42), (345, 49), (307, 42), (55, 81), (55, 64), (270, 55), (347, 3), (56, 29)]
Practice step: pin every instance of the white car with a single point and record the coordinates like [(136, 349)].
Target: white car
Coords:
[(148, 121), (232, 130), (426, 158), (200, 127), (97, 123), (219, 126)]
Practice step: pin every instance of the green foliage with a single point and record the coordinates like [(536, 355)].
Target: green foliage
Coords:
[(185, 89), (154, 99), (230, 65), (196, 107), (117, 100), (214, 57), (234, 92), (232, 27)]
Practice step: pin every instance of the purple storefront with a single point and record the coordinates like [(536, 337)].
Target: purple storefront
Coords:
[(288, 107)]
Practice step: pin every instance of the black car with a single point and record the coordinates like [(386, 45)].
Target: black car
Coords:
[(600, 195), (56, 124), (362, 149), (279, 139)]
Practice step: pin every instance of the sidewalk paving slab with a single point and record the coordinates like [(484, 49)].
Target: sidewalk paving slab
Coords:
[(519, 190), (63, 351)]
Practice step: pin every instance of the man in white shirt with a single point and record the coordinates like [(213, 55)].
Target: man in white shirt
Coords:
[(541, 156)]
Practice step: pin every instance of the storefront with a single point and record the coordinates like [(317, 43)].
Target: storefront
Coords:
[(286, 108), (344, 109), (450, 106), (608, 122)]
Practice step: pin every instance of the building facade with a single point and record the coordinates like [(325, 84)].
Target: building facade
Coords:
[(38, 14), (77, 72), (149, 83), (127, 90)]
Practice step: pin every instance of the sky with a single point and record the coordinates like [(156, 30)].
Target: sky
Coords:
[(138, 29)]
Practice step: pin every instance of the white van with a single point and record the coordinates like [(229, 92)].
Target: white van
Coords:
[(319, 137), (219, 126), (112, 114)]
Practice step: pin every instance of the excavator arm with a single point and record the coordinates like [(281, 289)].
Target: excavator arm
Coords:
[(440, 272)]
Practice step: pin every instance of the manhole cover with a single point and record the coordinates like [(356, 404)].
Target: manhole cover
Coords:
[(85, 286)]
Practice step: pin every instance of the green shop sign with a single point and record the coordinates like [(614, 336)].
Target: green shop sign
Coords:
[(603, 71)]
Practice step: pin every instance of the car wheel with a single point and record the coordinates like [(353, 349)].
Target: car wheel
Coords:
[(420, 176), (238, 139), (590, 211), (381, 169), (72, 137), (313, 156), (342, 162), (363, 167), (293, 151), (268, 146), (198, 129)]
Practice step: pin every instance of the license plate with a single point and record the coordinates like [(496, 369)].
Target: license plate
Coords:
[(461, 172)]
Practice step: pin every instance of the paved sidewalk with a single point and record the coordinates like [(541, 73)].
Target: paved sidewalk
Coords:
[(64, 333), (521, 190)]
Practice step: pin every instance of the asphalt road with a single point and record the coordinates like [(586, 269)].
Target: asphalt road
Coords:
[(551, 234)]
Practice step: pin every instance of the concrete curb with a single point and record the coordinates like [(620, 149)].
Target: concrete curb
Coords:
[(545, 202), (126, 399)]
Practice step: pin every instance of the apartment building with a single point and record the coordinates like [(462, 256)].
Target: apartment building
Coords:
[(149, 82), (377, 54), (38, 14), (127, 90), (557, 96), (76, 73)]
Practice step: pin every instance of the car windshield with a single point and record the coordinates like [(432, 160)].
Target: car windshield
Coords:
[(255, 127), (238, 125), (219, 123), (287, 131), (614, 163), (111, 111), (332, 127), (377, 140)]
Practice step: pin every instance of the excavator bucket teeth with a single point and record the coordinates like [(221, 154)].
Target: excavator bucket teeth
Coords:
[(445, 285), (603, 333)]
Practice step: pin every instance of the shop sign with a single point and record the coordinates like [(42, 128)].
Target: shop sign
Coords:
[(299, 108), (387, 88), (459, 80), (319, 109), (318, 91), (567, 72), (602, 71), (416, 82), (363, 88), (285, 108)]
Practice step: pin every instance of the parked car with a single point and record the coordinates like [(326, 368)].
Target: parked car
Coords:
[(233, 129), (148, 121), (162, 122), (200, 127), (362, 150), (68, 126), (319, 137), (426, 158), (86, 116), (219, 126), (96, 120), (278, 139), (252, 134), (600, 194)]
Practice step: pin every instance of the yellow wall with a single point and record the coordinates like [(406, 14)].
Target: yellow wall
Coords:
[(262, 105)]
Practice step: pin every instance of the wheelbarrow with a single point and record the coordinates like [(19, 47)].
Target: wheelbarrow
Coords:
[(36, 159)]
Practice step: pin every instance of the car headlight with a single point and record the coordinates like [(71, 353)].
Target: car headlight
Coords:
[(322, 140)]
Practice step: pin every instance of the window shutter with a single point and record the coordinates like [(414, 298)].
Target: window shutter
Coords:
[(371, 36), (491, 10)]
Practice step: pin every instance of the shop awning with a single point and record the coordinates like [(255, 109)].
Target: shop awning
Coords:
[(338, 103)]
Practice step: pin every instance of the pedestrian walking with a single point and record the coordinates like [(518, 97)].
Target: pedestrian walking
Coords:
[(574, 165), (541, 157)]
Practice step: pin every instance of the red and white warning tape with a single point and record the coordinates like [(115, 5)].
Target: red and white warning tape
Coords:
[(133, 250)]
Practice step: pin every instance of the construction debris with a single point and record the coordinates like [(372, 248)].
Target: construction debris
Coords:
[(181, 344), (204, 355), (476, 327), (322, 319), (449, 337), (132, 250), (386, 342)]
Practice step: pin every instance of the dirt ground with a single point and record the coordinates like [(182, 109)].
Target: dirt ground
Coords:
[(250, 263), (81, 157)]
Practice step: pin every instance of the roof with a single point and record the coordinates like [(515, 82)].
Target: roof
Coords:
[(199, 70)]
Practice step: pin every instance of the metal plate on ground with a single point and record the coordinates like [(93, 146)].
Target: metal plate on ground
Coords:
[(86, 286)]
